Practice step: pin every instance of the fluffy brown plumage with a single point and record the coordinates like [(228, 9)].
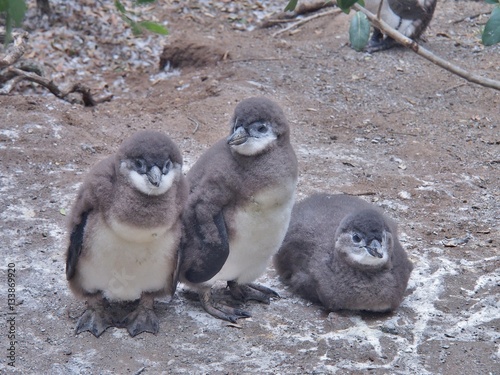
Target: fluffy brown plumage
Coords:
[(125, 229), (236, 186), (343, 253)]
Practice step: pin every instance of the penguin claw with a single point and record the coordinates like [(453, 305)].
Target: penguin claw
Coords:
[(251, 291), (142, 319), (376, 45), (222, 311), (95, 321)]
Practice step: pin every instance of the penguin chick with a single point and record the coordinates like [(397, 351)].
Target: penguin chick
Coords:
[(241, 196), (409, 17), (343, 253), (125, 230)]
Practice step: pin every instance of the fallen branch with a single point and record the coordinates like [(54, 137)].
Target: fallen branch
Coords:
[(87, 98), (414, 46), (306, 7), (14, 51), (307, 19), (11, 75), (301, 9)]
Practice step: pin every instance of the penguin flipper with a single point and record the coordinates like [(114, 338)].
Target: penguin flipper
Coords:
[(212, 255), (99, 183), (75, 246)]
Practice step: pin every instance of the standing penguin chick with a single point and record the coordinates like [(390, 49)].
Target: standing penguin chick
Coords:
[(343, 253), (241, 197), (409, 17), (125, 231)]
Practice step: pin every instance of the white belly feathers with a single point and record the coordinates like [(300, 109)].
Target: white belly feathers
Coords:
[(123, 261), (260, 229)]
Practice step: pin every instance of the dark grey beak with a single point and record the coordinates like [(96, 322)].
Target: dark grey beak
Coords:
[(373, 249), (239, 137), (154, 176), (373, 252)]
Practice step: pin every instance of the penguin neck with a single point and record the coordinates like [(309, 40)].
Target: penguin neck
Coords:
[(355, 266)]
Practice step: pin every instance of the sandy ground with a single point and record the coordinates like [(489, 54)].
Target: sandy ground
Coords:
[(391, 127)]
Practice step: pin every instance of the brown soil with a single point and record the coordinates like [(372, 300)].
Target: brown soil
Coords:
[(391, 127)]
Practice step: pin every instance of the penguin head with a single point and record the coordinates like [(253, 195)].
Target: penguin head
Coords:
[(258, 124), (364, 240), (150, 161)]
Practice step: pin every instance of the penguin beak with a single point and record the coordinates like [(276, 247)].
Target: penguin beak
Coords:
[(154, 176), (238, 137), (373, 249), (373, 252)]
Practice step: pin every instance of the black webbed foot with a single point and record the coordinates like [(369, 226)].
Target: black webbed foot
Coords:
[(251, 291), (143, 318), (95, 320), (379, 43), (220, 310)]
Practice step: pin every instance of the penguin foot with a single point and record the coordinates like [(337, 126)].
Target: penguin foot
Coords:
[(251, 291), (142, 319), (219, 310), (96, 321), (380, 44)]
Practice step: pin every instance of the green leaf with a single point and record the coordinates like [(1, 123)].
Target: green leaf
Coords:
[(17, 9), (140, 2), (346, 5), (492, 1), (359, 31), (62, 211), (4, 5), (120, 6), (136, 28), (8, 30), (491, 33), (154, 27), (292, 4)]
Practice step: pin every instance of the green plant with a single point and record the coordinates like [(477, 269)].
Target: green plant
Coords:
[(14, 13), (359, 29), (491, 32), (138, 27)]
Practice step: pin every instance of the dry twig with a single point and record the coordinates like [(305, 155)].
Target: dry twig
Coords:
[(307, 19), (301, 9), (467, 18)]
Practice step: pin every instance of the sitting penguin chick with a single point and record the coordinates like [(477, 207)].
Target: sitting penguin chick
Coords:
[(409, 17), (343, 253), (125, 231), (241, 196)]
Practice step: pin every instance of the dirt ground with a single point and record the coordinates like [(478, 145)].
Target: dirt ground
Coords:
[(390, 127)]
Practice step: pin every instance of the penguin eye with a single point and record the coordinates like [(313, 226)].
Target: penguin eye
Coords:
[(140, 165), (356, 238), (262, 128), (166, 167)]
